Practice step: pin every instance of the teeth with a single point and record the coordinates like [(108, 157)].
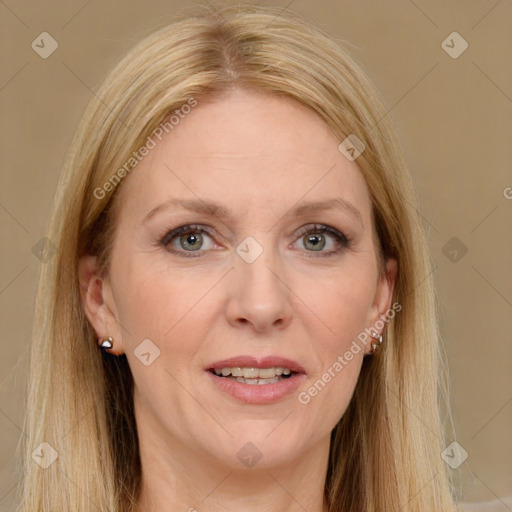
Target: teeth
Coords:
[(265, 373), (251, 373), (241, 374), (257, 381), (237, 372)]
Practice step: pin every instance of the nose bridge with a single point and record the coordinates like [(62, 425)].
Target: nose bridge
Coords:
[(260, 295), (259, 274)]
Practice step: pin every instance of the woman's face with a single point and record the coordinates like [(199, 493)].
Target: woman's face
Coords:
[(263, 275)]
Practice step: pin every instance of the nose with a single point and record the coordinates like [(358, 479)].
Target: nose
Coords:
[(259, 295)]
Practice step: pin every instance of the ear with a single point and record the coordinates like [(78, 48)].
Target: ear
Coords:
[(98, 303), (383, 297)]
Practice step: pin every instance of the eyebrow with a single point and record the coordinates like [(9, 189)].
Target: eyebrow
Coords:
[(214, 210)]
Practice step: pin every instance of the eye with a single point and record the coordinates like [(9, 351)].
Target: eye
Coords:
[(187, 239), (318, 237)]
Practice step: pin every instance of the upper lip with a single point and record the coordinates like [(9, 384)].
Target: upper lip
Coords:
[(253, 362)]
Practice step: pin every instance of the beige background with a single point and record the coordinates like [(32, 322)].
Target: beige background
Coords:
[(454, 117)]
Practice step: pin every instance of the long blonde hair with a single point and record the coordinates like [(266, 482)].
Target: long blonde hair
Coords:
[(386, 450)]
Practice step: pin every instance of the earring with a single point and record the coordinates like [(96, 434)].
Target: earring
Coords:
[(378, 338), (108, 343)]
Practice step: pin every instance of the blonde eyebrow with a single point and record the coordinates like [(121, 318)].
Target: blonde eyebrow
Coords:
[(192, 205), (215, 210), (311, 207)]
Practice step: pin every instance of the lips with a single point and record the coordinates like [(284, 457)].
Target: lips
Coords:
[(256, 386), (252, 362)]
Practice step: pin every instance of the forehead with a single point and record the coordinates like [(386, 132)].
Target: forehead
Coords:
[(247, 150)]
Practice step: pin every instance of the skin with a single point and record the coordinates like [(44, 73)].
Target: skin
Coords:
[(258, 156)]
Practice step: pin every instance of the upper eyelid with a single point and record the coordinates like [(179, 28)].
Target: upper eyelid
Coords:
[(324, 228), (173, 233)]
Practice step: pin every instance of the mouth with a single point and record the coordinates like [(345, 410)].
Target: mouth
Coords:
[(254, 376), (257, 381)]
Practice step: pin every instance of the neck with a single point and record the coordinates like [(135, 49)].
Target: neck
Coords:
[(180, 477)]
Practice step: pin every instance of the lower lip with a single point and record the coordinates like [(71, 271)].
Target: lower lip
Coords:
[(258, 393)]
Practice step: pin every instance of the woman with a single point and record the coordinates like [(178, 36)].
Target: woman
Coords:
[(240, 313)]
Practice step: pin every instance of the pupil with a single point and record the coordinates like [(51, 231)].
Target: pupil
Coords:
[(191, 240), (316, 241)]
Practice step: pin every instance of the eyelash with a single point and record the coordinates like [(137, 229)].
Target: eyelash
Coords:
[(341, 238)]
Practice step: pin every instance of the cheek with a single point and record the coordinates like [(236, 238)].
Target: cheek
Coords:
[(343, 303), (342, 300), (165, 308), (168, 306), (151, 298)]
